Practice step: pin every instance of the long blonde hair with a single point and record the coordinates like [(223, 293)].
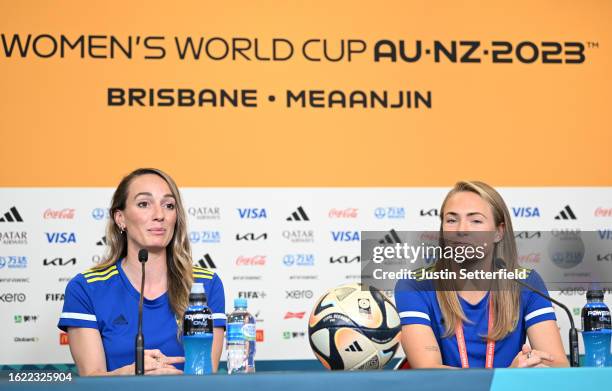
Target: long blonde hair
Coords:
[(506, 299), (178, 251)]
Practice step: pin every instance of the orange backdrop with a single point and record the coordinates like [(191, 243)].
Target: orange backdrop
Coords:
[(509, 124)]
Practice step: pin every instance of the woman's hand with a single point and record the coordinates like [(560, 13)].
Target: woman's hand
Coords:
[(155, 363), (530, 358)]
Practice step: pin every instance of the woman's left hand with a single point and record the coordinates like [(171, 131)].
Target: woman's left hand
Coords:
[(157, 363), (531, 358)]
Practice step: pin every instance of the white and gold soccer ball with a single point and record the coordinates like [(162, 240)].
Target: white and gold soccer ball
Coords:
[(354, 327)]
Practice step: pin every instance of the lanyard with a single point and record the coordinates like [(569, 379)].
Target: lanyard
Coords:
[(490, 343)]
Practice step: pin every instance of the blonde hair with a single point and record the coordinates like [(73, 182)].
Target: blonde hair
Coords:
[(178, 251), (506, 299)]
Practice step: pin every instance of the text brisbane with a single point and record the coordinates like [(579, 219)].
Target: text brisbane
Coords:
[(248, 98)]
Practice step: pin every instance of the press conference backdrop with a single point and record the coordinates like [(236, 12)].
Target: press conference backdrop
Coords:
[(339, 117), (280, 248)]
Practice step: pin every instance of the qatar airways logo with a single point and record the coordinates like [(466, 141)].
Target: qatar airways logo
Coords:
[(62, 214), (348, 213), (257, 260)]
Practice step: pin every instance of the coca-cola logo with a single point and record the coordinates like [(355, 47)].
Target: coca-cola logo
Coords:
[(257, 260), (430, 236), (603, 212), (529, 258), (347, 213), (64, 214)]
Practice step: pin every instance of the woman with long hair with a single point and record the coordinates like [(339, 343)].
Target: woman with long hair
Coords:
[(101, 305), (454, 323)]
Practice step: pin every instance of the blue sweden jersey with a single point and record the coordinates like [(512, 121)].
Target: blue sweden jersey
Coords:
[(417, 303), (104, 299)]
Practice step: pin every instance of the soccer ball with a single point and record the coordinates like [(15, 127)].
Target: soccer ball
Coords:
[(354, 327)]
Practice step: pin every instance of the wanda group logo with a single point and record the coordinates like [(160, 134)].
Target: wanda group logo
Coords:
[(257, 260)]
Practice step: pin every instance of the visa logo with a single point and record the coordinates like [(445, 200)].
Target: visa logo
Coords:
[(252, 213), (605, 234), (345, 236), (61, 237), (526, 212)]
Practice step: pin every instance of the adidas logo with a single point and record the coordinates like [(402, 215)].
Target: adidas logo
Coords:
[(298, 215), (206, 262), (12, 216), (566, 214), (120, 321), (354, 347), (391, 238), (102, 242)]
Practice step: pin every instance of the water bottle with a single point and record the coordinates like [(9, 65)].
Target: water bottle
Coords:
[(240, 339), (197, 333), (596, 330)]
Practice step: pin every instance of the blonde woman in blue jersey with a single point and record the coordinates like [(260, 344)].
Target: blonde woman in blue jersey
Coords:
[(461, 328), (101, 305)]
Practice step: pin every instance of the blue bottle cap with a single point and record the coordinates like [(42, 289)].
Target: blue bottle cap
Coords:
[(595, 294), (240, 303)]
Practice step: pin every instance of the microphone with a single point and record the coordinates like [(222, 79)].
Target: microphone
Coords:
[(573, 333), (143, 256)]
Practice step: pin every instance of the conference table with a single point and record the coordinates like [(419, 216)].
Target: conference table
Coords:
[(385, 380)]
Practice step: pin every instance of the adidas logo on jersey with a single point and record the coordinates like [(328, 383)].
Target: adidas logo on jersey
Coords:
[(120, 321)]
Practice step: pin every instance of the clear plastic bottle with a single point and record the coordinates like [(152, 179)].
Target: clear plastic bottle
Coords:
[(240, 339), (197, 333)]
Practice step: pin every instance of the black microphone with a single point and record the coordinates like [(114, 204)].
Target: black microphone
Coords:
[(573, 333), (143, 256)]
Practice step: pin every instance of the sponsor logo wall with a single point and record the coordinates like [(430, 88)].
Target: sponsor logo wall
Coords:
[(280, 248)]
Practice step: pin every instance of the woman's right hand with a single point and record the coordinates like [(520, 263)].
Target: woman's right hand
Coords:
[(155, 363), (530, 358)]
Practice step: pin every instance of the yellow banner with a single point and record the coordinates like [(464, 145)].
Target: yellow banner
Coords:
[(274, 93)]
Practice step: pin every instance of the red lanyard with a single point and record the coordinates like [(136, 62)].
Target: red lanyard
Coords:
[(490, 344)]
